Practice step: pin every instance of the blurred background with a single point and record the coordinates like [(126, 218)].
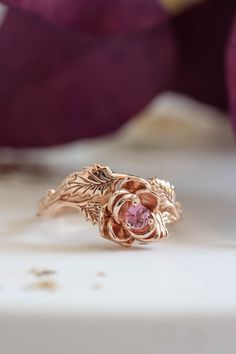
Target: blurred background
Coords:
[(71, 71), (147, 87)]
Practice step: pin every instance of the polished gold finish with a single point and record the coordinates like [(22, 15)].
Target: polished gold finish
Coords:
[(126, 208)]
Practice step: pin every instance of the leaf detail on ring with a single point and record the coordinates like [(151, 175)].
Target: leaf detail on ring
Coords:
[(94, 183), (170, 209), (91, 212), (165, 190)]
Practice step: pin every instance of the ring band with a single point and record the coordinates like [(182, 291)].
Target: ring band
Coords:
[(126, 208)]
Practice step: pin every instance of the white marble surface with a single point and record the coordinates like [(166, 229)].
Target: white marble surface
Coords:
[(176, 296), (180, 293)]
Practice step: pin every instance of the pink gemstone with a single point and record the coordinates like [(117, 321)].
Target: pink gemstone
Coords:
[(137, 216)]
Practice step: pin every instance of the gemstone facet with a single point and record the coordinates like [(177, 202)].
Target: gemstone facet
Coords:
[(137, 216)]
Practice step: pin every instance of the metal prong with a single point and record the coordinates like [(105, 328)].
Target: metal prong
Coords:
[(128, 225), (150, 221), (135, 201)]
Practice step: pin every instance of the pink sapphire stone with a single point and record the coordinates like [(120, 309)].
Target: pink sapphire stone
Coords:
[(137, 216)]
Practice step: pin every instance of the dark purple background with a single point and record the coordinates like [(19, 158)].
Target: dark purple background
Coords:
[(74, 69)]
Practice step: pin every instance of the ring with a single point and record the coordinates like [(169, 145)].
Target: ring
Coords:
[(126, 208)]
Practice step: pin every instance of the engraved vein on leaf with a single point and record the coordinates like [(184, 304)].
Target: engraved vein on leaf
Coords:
[(93, 183)]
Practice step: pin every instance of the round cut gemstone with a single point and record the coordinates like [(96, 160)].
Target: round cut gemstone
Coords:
[(137, 216)]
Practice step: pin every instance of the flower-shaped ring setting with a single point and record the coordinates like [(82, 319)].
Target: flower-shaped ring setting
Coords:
[(126, 208)]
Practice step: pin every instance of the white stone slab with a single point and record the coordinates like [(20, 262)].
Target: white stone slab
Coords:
[(177, 296)]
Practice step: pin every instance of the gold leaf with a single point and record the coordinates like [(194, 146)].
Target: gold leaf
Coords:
[(94, 182), (91, 212), (164, 190)]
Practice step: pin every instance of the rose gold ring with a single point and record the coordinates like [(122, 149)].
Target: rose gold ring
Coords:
[(126, 208)]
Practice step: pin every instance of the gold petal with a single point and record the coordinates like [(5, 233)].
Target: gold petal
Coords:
[(115, 198), (132, 184), (144, 235), (155, 231), (121, 206), (148, 199), (118, 234), (104, 217)]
